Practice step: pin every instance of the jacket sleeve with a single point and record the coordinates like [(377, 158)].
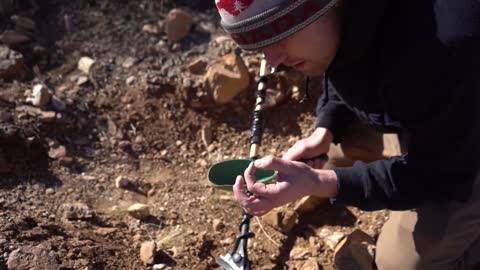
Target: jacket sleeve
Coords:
[(443, 121), (332, 113)]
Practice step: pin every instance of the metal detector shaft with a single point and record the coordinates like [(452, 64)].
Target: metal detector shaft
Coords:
[(237, 259)]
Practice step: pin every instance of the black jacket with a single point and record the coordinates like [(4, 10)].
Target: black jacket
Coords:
[(411, 67)]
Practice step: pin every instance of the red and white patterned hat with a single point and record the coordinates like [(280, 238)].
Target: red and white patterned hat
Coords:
[(254, 24)]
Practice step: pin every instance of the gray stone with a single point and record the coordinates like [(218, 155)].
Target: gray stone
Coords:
[(77, 211), (11, 62), (40, 257)]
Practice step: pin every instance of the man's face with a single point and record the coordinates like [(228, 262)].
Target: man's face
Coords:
[(310, 50)]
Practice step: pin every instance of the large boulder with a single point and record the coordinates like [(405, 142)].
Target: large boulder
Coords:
[(227, 78), (11, 62)]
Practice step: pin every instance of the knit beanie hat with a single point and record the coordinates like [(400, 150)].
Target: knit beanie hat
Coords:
[(254, 24)]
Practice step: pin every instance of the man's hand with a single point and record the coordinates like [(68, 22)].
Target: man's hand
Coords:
[(318, 143), (294, 181)]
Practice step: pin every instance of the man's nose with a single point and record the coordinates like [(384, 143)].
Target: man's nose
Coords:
[(274, 55)]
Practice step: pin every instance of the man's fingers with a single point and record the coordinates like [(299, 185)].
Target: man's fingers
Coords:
[(264, 190), (250, 175), (273, 163), (239, 190), (257, 205)]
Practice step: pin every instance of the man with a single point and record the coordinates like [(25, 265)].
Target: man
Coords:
[(409, 67)]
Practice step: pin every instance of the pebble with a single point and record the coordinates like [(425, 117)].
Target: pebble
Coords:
[(217, 225), (74, 211), (40, 96), (57, 152), (49, 191), (130, 80), (82, 80), (129, 62), (147, 252), (178, 24), (139, 211), (85, 64), (122, 182), (105, 231)]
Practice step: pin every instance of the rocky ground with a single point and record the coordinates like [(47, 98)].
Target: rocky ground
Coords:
[(111, 113)]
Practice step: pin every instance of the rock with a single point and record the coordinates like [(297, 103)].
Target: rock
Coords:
[(139, 211), (355, 252), (298, 252), (40, 96), (105, 231), (207, 136), (13, 38), (47, 117), (227, 78), (57, 151), (82, 80), (281, 219), (49, 191), (331, 238), (159, 266), (197, 67), (178, 24), (130, 80), (24, 25), (147, 252), (77, 211), (66, 161), (217, 225), (311, 264), (58, 104), (11, 62), (129, 62), (151, 28), (39, 257), (44, 116), (85, 64), (308, 204), (122, 182)]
